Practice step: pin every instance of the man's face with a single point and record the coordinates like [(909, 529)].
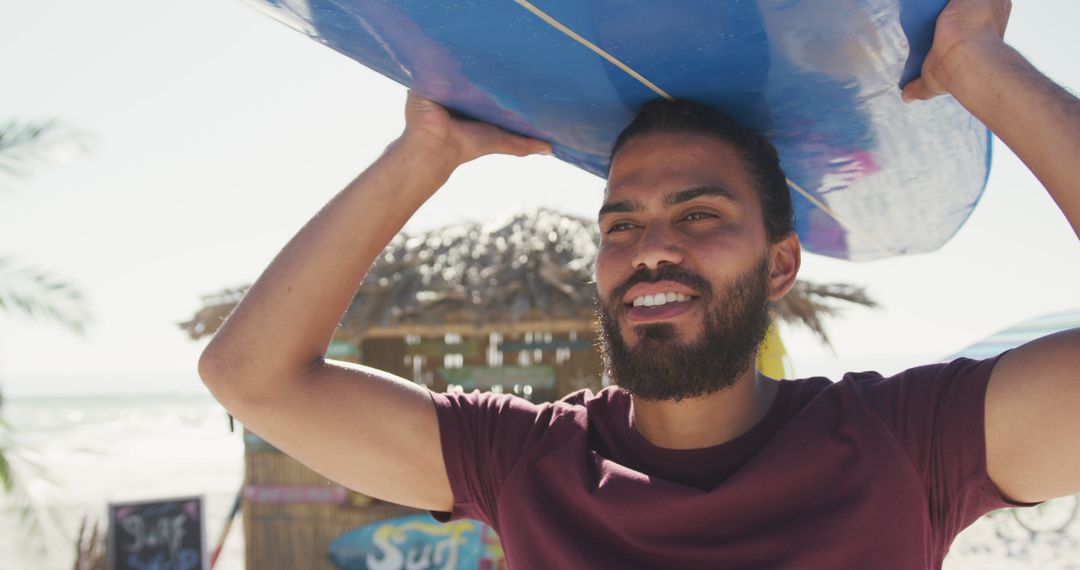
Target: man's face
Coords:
[(683, 272)]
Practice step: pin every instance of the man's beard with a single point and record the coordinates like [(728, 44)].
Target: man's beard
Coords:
[(661, 367)]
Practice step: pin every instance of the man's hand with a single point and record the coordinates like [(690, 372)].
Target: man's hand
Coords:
[(361, 427), (1033, 397), (965, 29), (460, 140)]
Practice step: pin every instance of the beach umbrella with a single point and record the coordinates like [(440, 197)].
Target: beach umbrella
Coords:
[(1052, 518), (1021, 333)]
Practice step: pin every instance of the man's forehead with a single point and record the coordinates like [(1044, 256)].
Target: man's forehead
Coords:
[(671, 154), (668, 162)]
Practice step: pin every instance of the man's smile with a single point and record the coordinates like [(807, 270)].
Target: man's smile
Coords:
[(660, 300), (664, 311)]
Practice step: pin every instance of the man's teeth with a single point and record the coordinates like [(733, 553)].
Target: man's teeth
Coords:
[(659, 299)]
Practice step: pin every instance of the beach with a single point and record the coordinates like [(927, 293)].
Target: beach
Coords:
[(102, 447), (117, 447)]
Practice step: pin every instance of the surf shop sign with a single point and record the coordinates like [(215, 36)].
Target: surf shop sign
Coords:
[(157, 535), (418, 542)]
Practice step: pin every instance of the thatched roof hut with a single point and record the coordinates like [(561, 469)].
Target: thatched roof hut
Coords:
[(529, 271), (443, 308)]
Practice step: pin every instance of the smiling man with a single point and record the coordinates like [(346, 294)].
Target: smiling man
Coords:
[(694, 460), (673, 224)]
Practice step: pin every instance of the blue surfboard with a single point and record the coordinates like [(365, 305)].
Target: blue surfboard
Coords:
[(870, 176), (415, 542)]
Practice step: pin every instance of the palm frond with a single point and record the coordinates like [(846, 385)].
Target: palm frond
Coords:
[(28, 145), (16, 467), (90, 549), (35, 293), (214, 309), (808, 304), (7, 477)]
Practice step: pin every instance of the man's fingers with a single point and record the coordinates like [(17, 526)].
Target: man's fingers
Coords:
[(525, 146), (1003, 20), (416, 105), (516, 145), (919, 89), (472, 138)]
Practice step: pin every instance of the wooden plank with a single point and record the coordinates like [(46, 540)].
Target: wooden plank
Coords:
[(584, 327), (578, 344), (469, 348), (296, 494)]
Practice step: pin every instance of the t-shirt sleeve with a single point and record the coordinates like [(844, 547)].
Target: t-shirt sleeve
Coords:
[(482, 435), (936, 413)]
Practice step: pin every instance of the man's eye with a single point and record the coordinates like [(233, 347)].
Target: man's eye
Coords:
[(619, 227), (698, 216)]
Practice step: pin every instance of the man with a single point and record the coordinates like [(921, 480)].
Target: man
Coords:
[(695, 460)]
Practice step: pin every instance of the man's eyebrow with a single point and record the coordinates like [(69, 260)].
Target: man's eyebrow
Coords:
[(622, 206), (712, 191), (672, 199)]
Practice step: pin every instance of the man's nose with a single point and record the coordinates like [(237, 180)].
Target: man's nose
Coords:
[(657, 245)]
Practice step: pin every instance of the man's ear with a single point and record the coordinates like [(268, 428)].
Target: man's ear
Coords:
[(785, 258)]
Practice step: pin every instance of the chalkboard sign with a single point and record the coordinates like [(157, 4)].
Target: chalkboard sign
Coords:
[(165, 534)]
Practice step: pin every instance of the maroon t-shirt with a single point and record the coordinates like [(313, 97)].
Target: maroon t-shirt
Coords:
[(868, 472)]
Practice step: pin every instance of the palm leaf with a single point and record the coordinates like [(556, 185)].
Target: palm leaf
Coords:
[(27, 145), (34, 520), (7, 478), (809, 304), (35, 293), (90, 549), (214, 309)]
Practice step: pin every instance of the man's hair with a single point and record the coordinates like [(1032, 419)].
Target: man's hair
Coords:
[(757, 153)]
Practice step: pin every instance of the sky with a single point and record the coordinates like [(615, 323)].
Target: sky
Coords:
[(215, 133)]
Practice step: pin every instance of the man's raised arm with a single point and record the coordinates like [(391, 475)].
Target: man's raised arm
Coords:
[(361, 427), (1033, 400)]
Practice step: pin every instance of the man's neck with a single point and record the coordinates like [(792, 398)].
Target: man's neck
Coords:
[(708, 420)]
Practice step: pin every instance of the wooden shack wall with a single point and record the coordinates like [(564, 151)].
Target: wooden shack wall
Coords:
[(287, 536), (582, 369)]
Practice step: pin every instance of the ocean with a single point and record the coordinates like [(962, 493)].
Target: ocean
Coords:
[(98, 448), (103, 447)]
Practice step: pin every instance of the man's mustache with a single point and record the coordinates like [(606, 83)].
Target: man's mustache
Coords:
[(664, 273)]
